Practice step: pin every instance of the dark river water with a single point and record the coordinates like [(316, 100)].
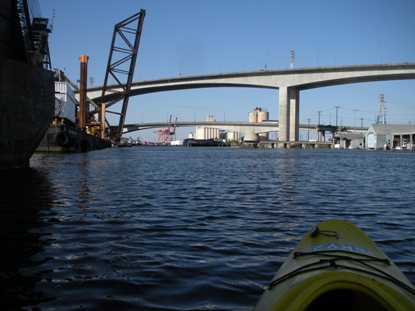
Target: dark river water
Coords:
[(154, 228)]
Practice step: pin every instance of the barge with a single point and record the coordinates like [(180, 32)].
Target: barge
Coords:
[(63, 135), (192, 142)]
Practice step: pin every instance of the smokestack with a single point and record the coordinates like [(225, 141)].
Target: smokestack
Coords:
[(83, 109)]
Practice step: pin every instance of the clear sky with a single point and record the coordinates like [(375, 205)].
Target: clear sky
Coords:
[(192, 37)]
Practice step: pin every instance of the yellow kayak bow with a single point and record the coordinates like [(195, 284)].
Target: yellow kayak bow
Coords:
[(336, 266)]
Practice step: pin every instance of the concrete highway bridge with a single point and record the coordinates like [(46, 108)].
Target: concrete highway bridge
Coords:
[(243, 127), (289, 82)]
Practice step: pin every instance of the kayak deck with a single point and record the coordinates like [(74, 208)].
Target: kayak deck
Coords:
[(336, 266)]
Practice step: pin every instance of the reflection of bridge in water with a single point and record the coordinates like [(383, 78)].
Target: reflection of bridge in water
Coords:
[(243, 127)]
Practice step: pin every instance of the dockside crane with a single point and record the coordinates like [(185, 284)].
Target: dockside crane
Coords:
[(165, 136)]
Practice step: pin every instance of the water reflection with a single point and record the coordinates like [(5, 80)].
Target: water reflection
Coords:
[(83, 184), (24, 196)]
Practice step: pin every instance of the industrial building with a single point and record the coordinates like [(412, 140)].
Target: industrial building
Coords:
[(259, 115), (203, 132), (347, 140), (391, 136)]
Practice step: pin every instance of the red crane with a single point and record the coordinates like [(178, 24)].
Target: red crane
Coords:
[(166, 135)]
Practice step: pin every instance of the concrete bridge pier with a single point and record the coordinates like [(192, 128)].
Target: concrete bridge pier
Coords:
[(289, 115)]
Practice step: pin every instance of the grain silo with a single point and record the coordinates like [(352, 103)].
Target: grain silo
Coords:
[(253, 117), (259, 115)]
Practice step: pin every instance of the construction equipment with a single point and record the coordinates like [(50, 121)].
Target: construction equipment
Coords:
[(35, 34)]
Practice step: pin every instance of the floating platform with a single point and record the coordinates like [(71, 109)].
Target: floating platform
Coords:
[(66, 138), (192, 142)]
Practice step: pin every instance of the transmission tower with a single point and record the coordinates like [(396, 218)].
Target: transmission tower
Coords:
[(292, 58), (381, 117)]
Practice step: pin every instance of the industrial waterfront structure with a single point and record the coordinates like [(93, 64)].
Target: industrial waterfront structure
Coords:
[(71, 129), (81, 125), (207, 132), (257, 115), (347, 137)]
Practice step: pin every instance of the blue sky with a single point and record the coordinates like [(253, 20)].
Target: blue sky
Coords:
[(191, 37)]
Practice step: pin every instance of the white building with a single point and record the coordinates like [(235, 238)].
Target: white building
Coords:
[(233, 136), (346, 140), (391, 136), (203, 132)]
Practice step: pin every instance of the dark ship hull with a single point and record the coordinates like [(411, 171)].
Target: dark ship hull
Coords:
[(26, 89), (26, 109)]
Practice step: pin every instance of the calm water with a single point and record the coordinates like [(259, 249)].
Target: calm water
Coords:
[(186, 228)]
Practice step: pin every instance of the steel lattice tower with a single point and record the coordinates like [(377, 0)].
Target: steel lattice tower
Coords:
[(381, 117)]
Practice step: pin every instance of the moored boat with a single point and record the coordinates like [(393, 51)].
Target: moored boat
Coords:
[(336, 266)]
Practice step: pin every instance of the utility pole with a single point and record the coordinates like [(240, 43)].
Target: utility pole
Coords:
[(220, 66), (319, 113), (266, 61), (355, 110), (337, 115)]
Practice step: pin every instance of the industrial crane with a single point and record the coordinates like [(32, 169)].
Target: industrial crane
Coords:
[(166, 135)]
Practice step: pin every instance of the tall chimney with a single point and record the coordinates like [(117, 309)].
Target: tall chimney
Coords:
[(83, 109)]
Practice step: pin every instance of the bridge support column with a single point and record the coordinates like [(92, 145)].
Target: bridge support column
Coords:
[(294, 114), (289, 99)]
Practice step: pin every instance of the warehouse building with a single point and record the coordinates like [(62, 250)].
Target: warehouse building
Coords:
[(391, 136)]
